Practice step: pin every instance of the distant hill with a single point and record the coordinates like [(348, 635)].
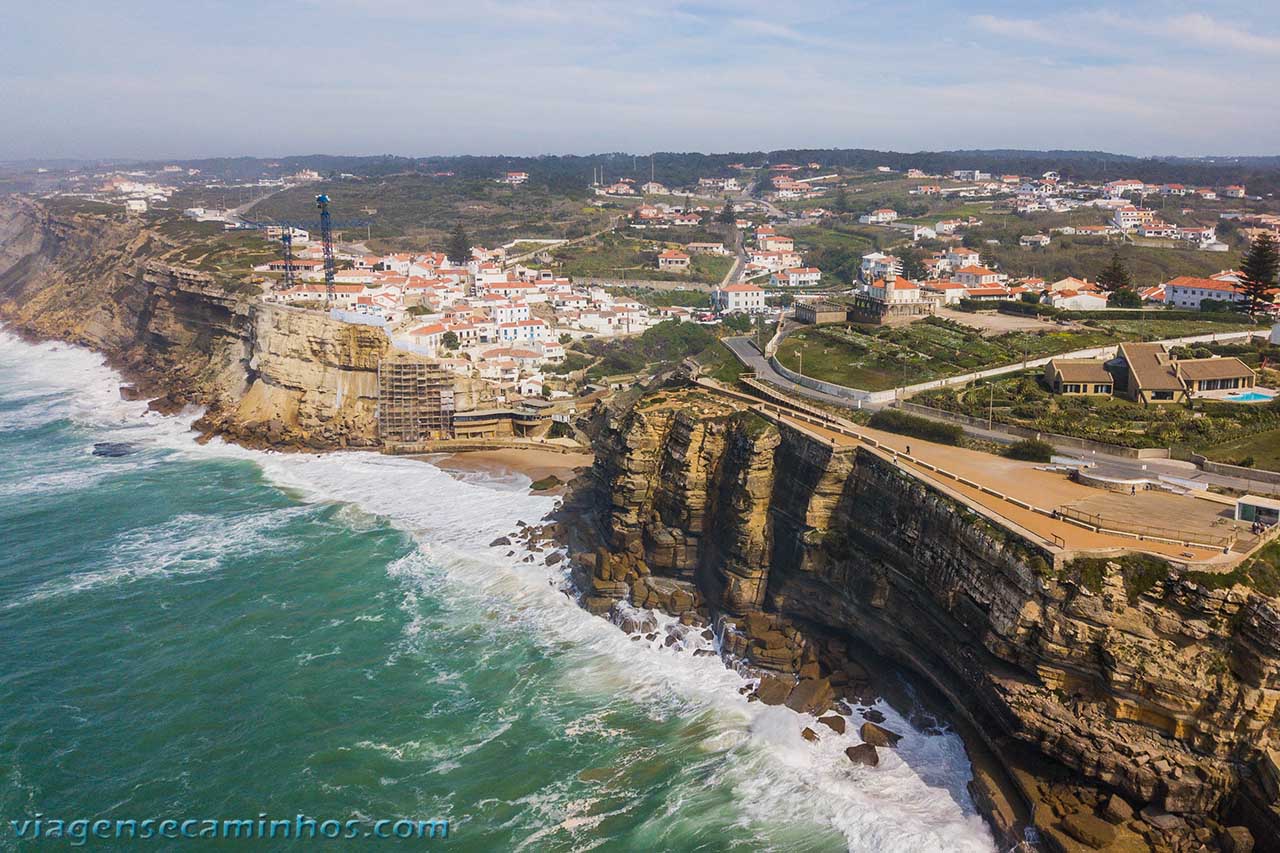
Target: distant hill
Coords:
[(567, 172)]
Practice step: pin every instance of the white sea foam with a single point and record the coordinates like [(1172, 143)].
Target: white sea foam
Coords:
[(187, 544), (915, 800)]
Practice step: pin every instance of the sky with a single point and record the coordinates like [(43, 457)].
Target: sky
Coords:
[(181, 79)]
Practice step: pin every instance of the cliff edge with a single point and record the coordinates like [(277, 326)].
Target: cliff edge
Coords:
[(1129, 706)]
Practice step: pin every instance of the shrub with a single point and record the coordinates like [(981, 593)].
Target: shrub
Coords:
[(896, 420), (1030, 449)]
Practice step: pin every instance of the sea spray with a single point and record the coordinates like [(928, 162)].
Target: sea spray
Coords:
[(336, 625)]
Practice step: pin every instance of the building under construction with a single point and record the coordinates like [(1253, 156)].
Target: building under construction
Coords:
[(415, 400)]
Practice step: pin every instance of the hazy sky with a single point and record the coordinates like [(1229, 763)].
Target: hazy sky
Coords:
[(226, 77)]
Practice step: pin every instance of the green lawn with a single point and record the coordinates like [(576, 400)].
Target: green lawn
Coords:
[(1261, 450)]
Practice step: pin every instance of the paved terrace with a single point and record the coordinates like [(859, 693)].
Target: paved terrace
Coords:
[(1196, 530)]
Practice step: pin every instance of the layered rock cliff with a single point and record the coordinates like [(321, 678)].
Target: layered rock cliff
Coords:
[(266, 374), (1121, 677)]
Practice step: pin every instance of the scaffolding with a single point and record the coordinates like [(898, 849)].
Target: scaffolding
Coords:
[(415, 401)]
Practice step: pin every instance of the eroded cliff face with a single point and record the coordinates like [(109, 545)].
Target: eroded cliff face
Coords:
[(1164, 692), (266, 374)]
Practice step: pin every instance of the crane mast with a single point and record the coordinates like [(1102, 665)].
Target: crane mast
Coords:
[(326, 238), (286, 240)]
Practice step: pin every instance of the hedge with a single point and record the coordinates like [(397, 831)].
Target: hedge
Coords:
[(1030, 450), (896, 420)]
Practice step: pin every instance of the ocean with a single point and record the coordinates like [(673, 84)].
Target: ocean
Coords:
[(206, 632)]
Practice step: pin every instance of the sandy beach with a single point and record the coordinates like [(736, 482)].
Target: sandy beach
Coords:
[(535, 464)]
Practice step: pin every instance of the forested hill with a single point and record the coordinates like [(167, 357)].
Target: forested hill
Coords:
[(565, 173)]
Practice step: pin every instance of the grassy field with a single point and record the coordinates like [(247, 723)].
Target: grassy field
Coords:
[(1261, 450), (615, 255), (877, 359), (418, 211)]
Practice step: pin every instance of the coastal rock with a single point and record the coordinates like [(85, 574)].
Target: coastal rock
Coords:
[(810, 695), (1236, 839), (877, 736), (1089, 830), (863, 753), (773, 690), (809, 734), (833, 722), (1117, 810)]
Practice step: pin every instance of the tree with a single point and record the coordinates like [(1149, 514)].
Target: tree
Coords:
[(727, 216), (459, 247), (912, 268), (1124, 298), (450, 340), (1260, 267), (1115, 276), (841, 200)]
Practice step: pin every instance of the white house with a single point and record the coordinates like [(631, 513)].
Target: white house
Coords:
[(878, 265), (894, 290), (973, 276), (739, 299), (1188, 291), (427, 339), (879, 216), (672, 259), (1130, 217), (1076, 300), (523, 330), (796, 277)]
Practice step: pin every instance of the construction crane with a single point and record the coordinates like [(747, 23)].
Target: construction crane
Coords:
[(286, 240), (326, 240)]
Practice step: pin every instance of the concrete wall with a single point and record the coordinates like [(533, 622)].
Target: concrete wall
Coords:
[(1271, 478)]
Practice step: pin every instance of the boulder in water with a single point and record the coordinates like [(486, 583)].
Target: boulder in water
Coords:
[(809, 734), (876, 736), (863, 753), (834, 722)]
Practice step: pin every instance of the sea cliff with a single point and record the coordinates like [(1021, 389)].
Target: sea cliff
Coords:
[(1128, 706), (267, 375)]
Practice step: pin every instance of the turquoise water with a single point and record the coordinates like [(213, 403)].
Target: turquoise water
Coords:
[(211, 632), (1250, 397)]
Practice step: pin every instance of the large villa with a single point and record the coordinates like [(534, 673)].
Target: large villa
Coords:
[(1148, 374)]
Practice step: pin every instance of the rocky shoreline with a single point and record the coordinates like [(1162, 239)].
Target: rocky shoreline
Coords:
[(1123, 712), (1125, 719)]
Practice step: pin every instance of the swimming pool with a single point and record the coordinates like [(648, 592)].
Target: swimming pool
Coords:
[(1250, 397)]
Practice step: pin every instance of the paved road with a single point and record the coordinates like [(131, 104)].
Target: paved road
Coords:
[(739, 260), (747, 353), (1114, 466)]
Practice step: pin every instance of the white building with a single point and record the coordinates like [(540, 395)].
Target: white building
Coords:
[(523, 330), (739, 299), (880, 216), (796, 277)]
